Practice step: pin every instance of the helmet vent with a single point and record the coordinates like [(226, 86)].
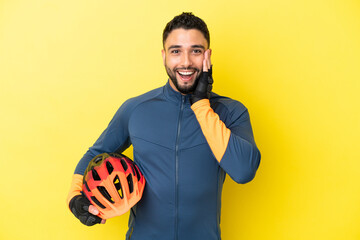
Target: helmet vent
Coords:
[(98, 159), (118, 186), (137, 173), (86, 186), (109, 167), (130, 182), (124, 165), (132, 168), (105, 193), (97, 202), (95, 175)]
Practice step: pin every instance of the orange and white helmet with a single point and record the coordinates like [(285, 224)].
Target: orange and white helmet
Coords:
[(113, 184)]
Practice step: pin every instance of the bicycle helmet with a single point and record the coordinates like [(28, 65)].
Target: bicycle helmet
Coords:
[(113, 183)]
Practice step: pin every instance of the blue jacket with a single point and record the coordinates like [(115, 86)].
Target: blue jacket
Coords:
[(182, 196)]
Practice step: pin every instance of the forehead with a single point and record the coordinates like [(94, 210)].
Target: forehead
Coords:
[(185, 38)]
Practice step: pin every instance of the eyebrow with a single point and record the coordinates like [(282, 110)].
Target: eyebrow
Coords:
[(192, 46), (198, 46)]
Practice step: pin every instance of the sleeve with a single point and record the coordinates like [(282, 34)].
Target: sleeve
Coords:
[(233, 146), (115, 138), (75, 187)]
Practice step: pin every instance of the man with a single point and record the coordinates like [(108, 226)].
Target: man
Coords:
[(185, 139)]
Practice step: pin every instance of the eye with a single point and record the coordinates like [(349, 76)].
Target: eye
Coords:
[(197, 51), (175, 51)]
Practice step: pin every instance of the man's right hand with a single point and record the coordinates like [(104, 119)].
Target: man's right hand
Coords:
[(81, 207)]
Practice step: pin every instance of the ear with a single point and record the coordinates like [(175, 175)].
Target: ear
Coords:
[(163, 55)]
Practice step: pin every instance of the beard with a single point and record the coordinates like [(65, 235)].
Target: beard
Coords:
[(186, 89)]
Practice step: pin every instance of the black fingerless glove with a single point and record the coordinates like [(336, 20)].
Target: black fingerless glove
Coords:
[(79, 206), (203, 88)]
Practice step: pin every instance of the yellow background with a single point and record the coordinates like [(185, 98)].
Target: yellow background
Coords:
[(66, 66)]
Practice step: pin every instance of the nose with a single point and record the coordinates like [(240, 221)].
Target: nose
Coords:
[(186, 60)]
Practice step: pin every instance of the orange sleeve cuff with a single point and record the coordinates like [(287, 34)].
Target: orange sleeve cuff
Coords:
[(75, 188), (216, 133)]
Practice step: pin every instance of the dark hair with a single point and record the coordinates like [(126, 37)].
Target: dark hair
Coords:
[(186, 20)]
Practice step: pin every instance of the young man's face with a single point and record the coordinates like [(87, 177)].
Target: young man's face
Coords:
[(183, 57)]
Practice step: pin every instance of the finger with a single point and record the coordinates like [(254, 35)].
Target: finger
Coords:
[(93, 210), (205, 64), (209, 59), (103, 221)]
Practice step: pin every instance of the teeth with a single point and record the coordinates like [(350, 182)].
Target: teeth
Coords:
[(186, 73)]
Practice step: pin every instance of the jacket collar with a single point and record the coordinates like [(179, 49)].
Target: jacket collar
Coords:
[(175, 96)]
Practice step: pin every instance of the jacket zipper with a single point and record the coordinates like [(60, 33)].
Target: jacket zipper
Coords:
[(177, 166)]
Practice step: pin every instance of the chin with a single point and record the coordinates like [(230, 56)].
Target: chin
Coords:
[(186, 89)]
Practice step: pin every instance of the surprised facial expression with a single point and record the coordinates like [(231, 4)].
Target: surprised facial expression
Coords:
[(183, 57)]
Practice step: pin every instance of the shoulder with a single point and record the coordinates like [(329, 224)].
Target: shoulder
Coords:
[(227, 104), (135, 101), (230, 111), (129, 105)]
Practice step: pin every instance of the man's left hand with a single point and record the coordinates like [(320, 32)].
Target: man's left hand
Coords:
[(204, 86)]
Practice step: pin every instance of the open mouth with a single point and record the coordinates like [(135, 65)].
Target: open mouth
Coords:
[(186, 75)]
